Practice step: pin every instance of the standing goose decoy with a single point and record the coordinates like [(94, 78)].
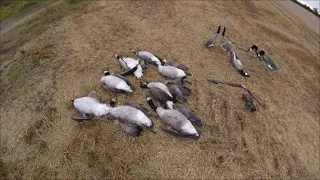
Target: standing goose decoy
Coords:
[(237, 64), (225, 43), (129, 63), (90, 106), (175, 121), (158, 91), (131, 119), (192, 117), (176, 64), (116, 83), (267, 60), (171, 71), (212, 40), (148, 57)]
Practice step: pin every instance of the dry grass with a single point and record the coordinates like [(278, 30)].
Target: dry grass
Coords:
[(65, 53)]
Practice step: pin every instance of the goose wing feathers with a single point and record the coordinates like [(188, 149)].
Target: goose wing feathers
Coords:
[(127, 81), (160, 95)]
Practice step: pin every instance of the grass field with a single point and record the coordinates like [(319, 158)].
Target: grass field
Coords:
[(62, 54)]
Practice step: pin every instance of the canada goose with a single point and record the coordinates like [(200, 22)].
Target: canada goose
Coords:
[(176, 88), (175, 121), (148, 57), (131, 119), (192, 117), (90, 106), (129, 63), (225, 43), (171, 71), (175, 64), (158, 91), (212, 40), (253, 48), (237, 64), (117, 83), (267, 60), (262, 57), (137, 106)]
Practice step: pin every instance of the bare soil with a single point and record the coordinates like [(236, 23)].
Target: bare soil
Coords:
[(62, 54)]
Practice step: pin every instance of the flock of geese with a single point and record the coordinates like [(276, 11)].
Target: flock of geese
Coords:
[(131, 116)]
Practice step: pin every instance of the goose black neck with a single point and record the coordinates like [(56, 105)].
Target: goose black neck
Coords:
[(151, 104), (224, 31), (219, 30)]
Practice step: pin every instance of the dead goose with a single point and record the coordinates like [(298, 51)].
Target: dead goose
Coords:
[(117, 83), (176, 64), (192, 117), (131, 119), (171, 71), (212, 40), (137, 106), (175, 121), (90, 106), (158, 91), (225, 43), (237, 64), (267, 60), (129, 63), (148, 57), (176, 88)]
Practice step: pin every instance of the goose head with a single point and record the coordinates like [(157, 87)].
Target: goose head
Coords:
[(253, 48), (118, 56), (261, 53), (106, 73), (144, 84)]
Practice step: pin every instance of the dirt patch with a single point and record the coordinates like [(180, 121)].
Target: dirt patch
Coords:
[(63, 54)]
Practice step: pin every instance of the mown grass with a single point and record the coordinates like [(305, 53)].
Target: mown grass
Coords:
[(12, 8)]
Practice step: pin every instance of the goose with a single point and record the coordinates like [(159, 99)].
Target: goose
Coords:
[(158, 91), (131, 119), (262, 57), (175, 121), (117, 83), (225, 43), (148, 57), (171, 71), (129, 63), (176, 88), (212, 40), (137, 106), (176, 64), (253, 48), (90, 106), (237, 64), (192, 117), (267, 60)]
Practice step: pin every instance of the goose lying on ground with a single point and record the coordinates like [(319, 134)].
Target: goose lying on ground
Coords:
[(192, 117), (116, 83), (129, 63), (158, 91), (148, 57), (131, 119), (90, 106), (175, 121)]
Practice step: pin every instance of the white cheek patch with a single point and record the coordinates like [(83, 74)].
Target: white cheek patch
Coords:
[(250, 49)]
